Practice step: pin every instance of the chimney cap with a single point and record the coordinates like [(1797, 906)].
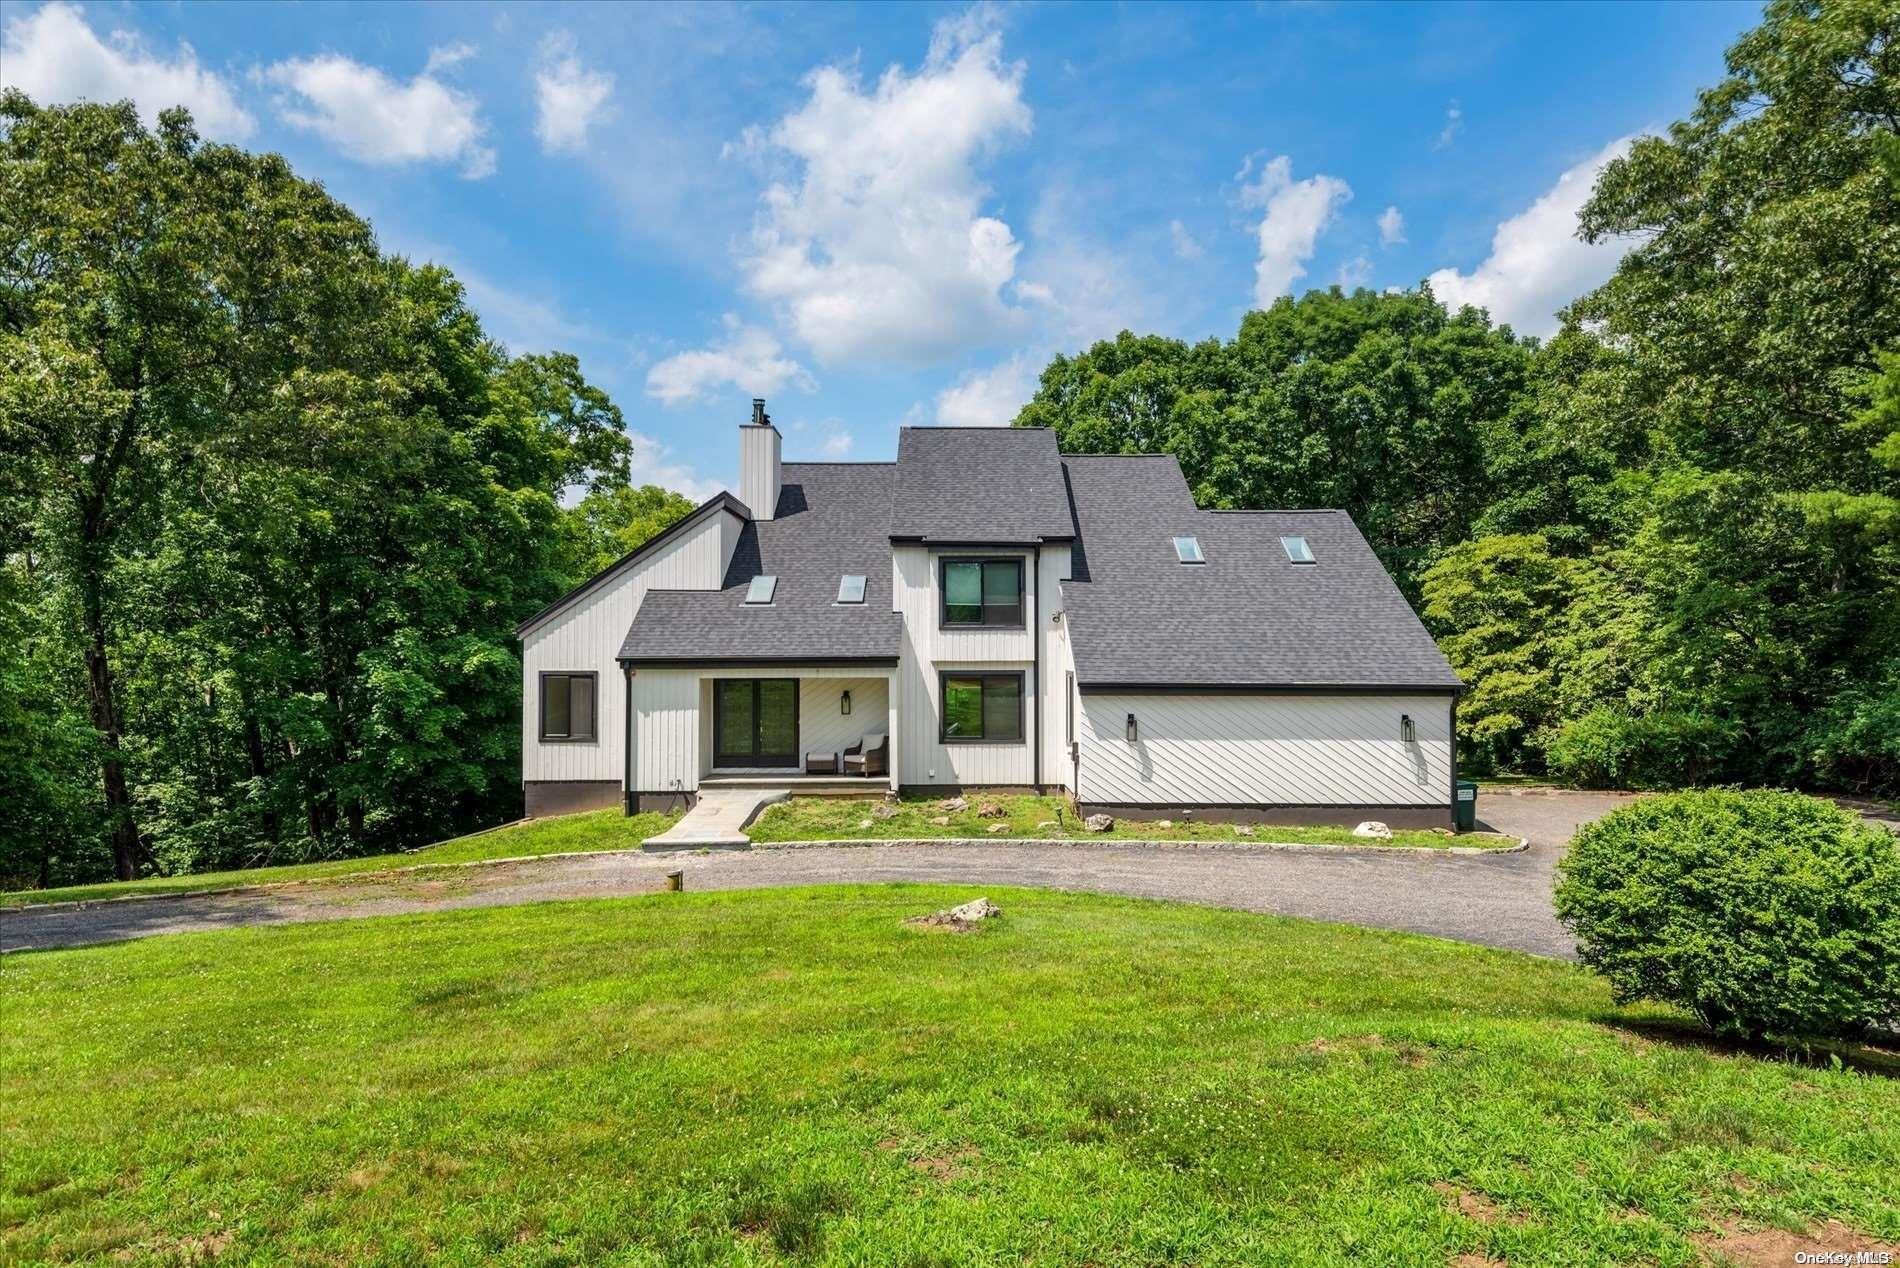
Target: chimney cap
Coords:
[(759, 417)]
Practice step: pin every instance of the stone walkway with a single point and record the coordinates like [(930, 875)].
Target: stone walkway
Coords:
[(717, 820)]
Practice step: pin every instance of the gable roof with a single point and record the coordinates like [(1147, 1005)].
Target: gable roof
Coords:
[(976, 485), (717, 502), (830, 522), (1247, 618)]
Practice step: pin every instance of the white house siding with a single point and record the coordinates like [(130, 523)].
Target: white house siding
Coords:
[(673, 717), (927, 650), (1055, 646), (1283, 750), (587, 636)]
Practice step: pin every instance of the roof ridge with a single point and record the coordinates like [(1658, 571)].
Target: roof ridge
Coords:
[(1273, 510), (834, 462), (965, 427)]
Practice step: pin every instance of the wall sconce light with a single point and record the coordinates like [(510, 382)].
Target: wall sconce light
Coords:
[(1407, 732), (844, 704), (1131, 728)]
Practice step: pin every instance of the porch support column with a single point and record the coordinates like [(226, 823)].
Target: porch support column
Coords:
[(890, 722)]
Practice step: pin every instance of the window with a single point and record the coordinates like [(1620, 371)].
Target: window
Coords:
[(983, 592), (850, 589), (762, 589), (1297, 550), (1188, 550), (982, 709), (567, 707)]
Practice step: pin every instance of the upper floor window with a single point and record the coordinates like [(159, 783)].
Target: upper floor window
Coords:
[(567, 707), (983, 593), (1188, 550), (850, 589), (1297, 550)]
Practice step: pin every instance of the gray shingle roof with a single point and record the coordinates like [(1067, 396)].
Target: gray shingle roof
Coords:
[(979, 484), (1246, 617), (831, 520)]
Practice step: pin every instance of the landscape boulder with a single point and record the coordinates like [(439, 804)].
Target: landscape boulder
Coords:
[(961, 919), (999, 827), (989, 810), (1099, 823), (1374, 829), (884, 810), (942, 821), (955, 805)]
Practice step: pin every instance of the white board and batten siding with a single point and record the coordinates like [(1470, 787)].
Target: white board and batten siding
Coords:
[(587, 636), (929, 650), (1274, 750)]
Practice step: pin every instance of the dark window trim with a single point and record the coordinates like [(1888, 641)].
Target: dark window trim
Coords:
[(756, 761), (541, 705), (1022, 697), (943, 590)]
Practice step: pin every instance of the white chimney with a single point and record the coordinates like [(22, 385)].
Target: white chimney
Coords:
[(759, 464)]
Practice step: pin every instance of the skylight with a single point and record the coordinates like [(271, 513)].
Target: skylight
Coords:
[(1188, 550), (762, 588), (1297, 550), (850, 589)]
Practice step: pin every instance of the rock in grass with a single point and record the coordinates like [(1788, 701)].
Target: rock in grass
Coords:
[(999, 827), (942, 821), (883, 810), (989, 810), (1099, 823), (1245, 830), (960, 919), (956, 805), (864, 823), (1164, 823), (1374, 829), (1048, 823)]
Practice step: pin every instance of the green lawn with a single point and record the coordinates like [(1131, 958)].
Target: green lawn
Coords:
[(795, 1076), (601, 830), (840, 819)]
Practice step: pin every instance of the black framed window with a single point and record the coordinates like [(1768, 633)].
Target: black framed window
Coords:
[(567, 706), (980, 708), (982, 593)]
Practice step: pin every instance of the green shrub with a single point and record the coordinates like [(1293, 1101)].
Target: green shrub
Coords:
[(1763, 912), (1610, 748)]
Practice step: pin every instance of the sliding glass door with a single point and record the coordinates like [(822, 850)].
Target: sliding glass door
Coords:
[(755, 722)]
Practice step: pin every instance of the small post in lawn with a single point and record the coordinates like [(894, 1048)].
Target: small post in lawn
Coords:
[(675, 882)]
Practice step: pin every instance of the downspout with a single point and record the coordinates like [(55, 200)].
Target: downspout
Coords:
[(1454, 761), (626, 748), (1035, 607)]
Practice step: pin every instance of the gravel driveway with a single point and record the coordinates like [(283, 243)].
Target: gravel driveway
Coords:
[(1499, 901)]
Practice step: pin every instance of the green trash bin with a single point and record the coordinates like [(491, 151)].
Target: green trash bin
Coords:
[(1464, 808)]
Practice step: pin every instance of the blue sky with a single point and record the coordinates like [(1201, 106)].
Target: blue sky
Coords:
[(895, 214)]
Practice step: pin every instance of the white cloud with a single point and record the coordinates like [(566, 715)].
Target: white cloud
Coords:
[(375, 119), (748, 359), (53, 57), (1537, 263), (1355, 272), (878, 249), (1391, 227), (447, 56), (1297, 212), (652, 463), (837, 440), (1184, 244), (989, 398), (569, 98), (1454, 124)]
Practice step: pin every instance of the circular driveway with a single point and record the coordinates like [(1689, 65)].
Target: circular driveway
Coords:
[(1497, 900)]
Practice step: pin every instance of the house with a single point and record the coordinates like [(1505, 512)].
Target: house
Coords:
[(989, 612)]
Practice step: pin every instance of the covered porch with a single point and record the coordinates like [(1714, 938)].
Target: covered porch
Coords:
[(817, 730)]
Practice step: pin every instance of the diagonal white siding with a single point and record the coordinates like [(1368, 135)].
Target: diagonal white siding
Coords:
[(587, 636), (673, 717), (1286, 750)]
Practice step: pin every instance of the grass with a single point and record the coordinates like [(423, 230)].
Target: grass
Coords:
[(840, 819), (794, 1076), (600, 830)]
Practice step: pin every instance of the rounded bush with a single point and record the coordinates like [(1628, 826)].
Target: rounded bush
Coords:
[(1762, 912)]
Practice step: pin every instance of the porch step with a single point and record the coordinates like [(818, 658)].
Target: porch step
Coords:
[(717, 820), (799, 785)]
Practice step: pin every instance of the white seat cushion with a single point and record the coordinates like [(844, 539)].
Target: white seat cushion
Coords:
[(873, 741)]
